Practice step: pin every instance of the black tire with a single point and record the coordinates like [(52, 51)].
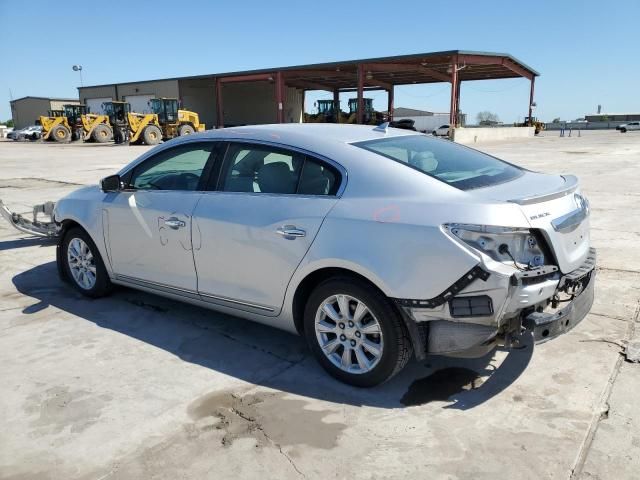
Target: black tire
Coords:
[(101, 134), (397, 348), (102, 285), (151, 135), (186, 130), (60, 134), (623, 130)]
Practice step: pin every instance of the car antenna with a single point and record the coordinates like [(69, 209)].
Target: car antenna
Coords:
[(382, 127)]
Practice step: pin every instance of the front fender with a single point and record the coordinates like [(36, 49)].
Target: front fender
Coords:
[(84, 208)]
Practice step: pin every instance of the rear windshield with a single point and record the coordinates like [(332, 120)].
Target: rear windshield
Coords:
[(459, 166)]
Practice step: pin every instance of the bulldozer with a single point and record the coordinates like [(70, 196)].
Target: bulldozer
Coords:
[(127, 126), (74, 123), (173, 121)]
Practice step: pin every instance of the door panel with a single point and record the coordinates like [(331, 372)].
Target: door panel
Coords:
[(149, 226), (149, 236), (248, 245)]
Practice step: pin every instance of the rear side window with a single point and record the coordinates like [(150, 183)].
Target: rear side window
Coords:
[(454, 164), (317, 179), (264, 169)]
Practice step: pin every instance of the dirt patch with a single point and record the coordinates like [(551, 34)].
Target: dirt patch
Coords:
[(266, 417), (441, 385), (59, 408)]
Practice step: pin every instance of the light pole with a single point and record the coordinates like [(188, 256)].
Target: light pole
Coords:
[(78, 68)]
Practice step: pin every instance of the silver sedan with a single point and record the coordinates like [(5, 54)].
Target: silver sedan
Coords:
[(376, 244)]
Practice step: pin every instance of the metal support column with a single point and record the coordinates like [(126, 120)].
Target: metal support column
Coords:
[(390, 104), (219, 109), (533, 79), (458, 103), (454, 94), (360, 113), (279, 98), (336, 104)]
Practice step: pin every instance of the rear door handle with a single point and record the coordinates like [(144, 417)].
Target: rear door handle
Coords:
[(174, 223), (291, 232)]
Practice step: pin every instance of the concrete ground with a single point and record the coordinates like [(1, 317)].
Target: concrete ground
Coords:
[(137, 386)]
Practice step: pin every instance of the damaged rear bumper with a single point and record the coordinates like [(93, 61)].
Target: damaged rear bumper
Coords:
[(46, 229), (500, 309), (546, 326)]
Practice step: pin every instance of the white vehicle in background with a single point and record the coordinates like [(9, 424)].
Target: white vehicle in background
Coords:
[(33, 132), (442, 131), (375, 244), (628, 127)]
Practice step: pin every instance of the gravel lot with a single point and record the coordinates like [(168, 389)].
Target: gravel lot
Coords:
[(137, 386)]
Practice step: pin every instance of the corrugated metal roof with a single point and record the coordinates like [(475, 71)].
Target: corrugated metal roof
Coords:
[(438, 62)]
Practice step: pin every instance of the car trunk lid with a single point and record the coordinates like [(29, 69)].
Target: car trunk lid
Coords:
[(553, 205)]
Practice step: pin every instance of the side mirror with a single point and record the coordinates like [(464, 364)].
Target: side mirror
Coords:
[(111, 183)]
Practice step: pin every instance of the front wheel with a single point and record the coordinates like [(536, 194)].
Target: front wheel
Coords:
[(185, 129), (60, 134), (151, 135), (102, 133), (623, 130), (83, 265), (355, 332)]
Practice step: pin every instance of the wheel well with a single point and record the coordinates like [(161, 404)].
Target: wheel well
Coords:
[(66, 225), (314, 279)]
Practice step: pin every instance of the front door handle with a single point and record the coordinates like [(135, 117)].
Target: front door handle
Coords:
[(291, 232), (174, 223)]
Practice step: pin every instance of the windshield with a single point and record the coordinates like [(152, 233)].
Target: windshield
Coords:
[(459, 166)]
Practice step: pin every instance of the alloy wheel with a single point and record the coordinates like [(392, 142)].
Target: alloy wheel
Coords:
[(81, 263), (349, 334)]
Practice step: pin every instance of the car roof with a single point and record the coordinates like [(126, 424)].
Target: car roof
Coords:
[(310, 136), (331, 141)]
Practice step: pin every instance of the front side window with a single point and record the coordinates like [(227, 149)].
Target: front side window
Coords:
[(265, 169), (458, 166), (178, 168)]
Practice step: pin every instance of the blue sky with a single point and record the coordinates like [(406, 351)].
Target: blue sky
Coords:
[(586, 51)]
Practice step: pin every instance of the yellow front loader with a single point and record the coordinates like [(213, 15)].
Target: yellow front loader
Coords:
[(127, 126), (74, 123), (174, 121), (96, 128), (55, 127)]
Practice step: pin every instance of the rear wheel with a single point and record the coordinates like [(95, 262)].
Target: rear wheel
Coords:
[(60, 133), (101, 134), (185, 130), (83, 264), (152, 135), (355, 333)]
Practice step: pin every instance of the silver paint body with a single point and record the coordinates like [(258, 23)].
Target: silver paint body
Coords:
[(385, 224)]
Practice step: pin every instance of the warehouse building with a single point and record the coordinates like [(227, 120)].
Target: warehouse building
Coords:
[(276, 95), (26, 110), (612, 117)]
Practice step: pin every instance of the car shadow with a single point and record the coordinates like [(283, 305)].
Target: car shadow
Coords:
[(267, 356), (26, 242)]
